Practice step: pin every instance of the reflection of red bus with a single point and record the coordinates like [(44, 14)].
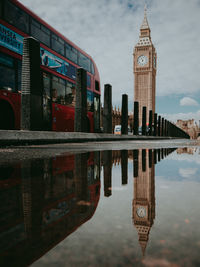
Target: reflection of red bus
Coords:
[(59, 60), (42, 202)]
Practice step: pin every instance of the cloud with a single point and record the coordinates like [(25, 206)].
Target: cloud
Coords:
[(188, 101), (191, 158), (184, 116), (187, 172), (108, 30)]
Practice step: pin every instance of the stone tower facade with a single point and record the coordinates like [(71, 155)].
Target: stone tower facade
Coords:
[(144, 68)]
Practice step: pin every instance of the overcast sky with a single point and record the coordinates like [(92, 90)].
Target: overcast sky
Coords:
[(108, 30)]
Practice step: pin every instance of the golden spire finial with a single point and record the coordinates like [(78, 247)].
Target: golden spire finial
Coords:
[(145, 10), (145, 24)]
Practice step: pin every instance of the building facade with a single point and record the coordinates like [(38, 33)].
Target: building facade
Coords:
[(117, 117), (144, 68), (190, 127)]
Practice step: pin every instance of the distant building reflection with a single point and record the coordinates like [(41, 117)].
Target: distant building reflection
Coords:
[(44, 202), (186, 150)]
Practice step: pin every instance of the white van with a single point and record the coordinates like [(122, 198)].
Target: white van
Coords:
[(117, 129)]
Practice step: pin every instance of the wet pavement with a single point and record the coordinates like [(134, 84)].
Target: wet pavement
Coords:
[(104, 204)]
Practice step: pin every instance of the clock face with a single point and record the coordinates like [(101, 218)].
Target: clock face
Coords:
[(142, 60), (141, 212)]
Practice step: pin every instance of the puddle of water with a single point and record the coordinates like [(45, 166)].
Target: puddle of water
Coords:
[(108, 208)]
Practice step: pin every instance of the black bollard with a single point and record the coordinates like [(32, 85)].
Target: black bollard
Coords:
[(171, 129), (162, 127), (144, 120), (107, 172), (32, 190), (158, 152), (143, 160), (124, 119), (162, 153), (155, 125), (135, 163), (81, 122), (136, 118), (165, 132), (150, 158), (150, 122), (124, 166), (81, 182), (107, 110), (159, 123), (155, 156), (32, 86)]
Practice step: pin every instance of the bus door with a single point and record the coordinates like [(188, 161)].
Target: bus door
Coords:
[(47, 107)]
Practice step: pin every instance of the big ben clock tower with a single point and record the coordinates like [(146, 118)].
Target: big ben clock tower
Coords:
[(144, 61), (144, 197)]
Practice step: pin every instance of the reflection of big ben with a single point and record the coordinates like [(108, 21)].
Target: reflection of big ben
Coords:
[(144, 60), (144, 197)]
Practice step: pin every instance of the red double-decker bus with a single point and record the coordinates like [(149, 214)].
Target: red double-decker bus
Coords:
[(59, 60)]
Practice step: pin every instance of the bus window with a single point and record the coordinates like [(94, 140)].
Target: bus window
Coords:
[(7, 77), (6, 60), (57, 44), (90, 101), (96, 113), (58, 90), (92, 67), (71, 53), (70, 94), (46, 101), (46, 82), (96, 85), (84, 62), (40, 32), (89, 81), (16, 17)]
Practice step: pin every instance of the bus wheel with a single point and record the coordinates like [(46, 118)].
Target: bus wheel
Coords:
[(7, 118)]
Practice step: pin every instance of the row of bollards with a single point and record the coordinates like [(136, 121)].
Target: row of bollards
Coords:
[(156, 126), (154, 156), (144, 161)]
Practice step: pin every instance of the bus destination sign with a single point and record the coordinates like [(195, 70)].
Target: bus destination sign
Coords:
[(11, 40)]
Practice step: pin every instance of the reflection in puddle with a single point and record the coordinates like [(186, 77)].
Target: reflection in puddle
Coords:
[(44, 201), (45, 204), (144, 195)]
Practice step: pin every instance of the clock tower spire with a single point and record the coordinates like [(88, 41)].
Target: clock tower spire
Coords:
[(144, 69), (145, 24)]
